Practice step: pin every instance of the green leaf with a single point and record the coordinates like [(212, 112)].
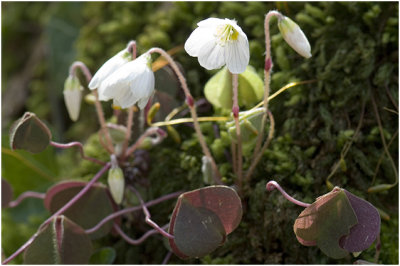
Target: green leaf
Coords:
[(250, 125), (202, 218), (59, 242), (29, 133), (104, 255), (6, 193), (90, 209), (218, 90), (325, 221), (27, 171)]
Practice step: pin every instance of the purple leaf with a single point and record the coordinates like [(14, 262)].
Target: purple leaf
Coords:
[(29, 133), (59, 242), (365, 232), (90, 209)]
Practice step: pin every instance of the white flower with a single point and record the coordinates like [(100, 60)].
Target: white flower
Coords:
[(132, 83), (109, 67), (217, 42), (294, 36)]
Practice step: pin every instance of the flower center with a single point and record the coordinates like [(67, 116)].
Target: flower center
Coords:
[(226, 33)]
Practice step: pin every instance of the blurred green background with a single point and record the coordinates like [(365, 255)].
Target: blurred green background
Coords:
[(355, 61)]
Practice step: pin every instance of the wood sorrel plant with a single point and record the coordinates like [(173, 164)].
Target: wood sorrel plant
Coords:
[(203, 218)]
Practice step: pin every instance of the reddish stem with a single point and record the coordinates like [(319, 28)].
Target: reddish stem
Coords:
[(148, 215), (83, 67), (271, 185), (25, 195), (132, 209), (150, 131), (80, 146), (135, 241), (60, 211)]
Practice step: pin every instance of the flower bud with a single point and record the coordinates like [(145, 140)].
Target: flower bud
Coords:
[(73, 96), (294, 36), (206, 169), (116, 183)]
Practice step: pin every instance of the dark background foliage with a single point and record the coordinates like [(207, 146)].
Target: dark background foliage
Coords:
[(355, 62)]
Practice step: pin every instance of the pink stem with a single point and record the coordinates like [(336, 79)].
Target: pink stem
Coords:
[(148, 215), (271, 185), (83, 67), (136, 241), (148, 132), (80, 146), (132, 209), (25, 195), (167, 257), (60, 211)]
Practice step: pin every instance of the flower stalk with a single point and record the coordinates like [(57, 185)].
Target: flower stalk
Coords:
[(271, 185), (235, 111), (190, 102)]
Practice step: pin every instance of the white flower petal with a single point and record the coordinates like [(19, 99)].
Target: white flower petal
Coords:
[(212, 56), (211, 22), (108, 68), (237, 55), (197, 40)]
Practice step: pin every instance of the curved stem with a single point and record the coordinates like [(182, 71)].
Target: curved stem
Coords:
[(132, 209), (271, 185), (190, 102), (189, 120), (150, 131), (267, 76), (25, 195), (136, 241), (148, 215), (81, 66), (80, 146), (60, 211)]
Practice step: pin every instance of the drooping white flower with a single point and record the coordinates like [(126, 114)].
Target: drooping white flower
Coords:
[(109, 67), (217, 42), (294, 36), (131, 83)]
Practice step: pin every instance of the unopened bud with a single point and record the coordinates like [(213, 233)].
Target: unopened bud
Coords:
[(73, 96), (294, 36), (116, 183), (206, 169)]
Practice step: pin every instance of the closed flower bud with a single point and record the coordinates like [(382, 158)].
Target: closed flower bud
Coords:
[(73, 96), (294, 36), (116, 183)]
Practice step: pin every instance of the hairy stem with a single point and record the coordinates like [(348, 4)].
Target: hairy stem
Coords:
[(103, 127), (78, 64), (235, 111), (190, 102), (148, 215), (80, 146), (150, 131), (132, 209), (271, 185), (167, 257), (267, 76), (59, 212), (25, 195), (264, 147)]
